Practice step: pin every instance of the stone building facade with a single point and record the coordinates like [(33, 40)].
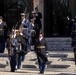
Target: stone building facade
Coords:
[(52, 10), (54, 13)]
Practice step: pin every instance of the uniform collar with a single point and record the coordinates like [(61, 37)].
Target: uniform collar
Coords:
[(23, 20), (1, 22), (40, 38)]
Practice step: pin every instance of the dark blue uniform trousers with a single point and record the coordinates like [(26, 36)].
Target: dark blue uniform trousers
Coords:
[(12, 62), (42, 66)]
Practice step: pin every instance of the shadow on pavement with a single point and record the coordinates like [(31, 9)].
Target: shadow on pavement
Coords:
[(28, 66), (2, 65), (62, 74)]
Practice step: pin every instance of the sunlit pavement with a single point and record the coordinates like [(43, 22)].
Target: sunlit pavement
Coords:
[(59, 63)]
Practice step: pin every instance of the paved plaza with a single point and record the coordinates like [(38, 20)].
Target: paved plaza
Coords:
[(60, 63)]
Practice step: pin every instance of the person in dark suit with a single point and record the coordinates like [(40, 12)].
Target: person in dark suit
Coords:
[(37, 22), (41, 48), (38, 14), (3, 34), (73, 36), (33, 34), (11, 47), (21, 49)]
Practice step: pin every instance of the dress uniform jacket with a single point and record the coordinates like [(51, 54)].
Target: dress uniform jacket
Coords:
[(41, 48)]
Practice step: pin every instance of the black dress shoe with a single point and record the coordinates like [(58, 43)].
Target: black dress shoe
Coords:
[(12, 70), (75, 63), (41, 72)]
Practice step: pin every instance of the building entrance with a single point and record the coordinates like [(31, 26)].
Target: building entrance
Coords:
[(57, 18)]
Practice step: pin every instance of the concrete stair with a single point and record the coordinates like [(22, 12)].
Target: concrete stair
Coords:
[(59, 61), (59, 44)]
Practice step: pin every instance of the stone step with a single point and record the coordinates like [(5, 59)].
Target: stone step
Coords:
[(67, 59), (3, 65), (28, 66), (3, 55), (58, 66), (60, 39), (58, 43), (62, 44), (58, 55), (60, 49)]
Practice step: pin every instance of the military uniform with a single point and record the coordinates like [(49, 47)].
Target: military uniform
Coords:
[(41, 48), (3, 27), (73, 35), (11, 47)]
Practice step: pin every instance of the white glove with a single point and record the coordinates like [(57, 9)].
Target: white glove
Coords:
[(21, 33)]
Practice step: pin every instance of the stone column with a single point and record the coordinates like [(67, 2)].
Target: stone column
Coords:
[(41, 9), (40, 4), (72, 7), (35, 3)]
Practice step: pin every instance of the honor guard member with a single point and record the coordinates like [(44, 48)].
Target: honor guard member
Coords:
[(3, 27), (73, 36), (25, 23), (11, 47), (41, 48)]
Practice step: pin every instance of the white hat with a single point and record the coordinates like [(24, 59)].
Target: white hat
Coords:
[(23, 14), (33, 12)]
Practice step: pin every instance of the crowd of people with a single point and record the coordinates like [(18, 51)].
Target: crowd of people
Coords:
[(24, 37), (27, 36)]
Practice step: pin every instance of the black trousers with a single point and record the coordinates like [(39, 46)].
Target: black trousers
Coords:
[(75, 57), (13, 62)]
